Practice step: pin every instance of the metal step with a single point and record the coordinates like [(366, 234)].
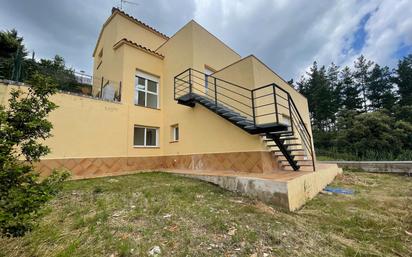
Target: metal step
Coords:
[(230, 114), (237, 118), (281, 155), (288, 138), (300, 165), (222, 110), (299, 161), (292, 144), (282, 133), (210, 104), (244, 122), (267, 139), (289, 150)]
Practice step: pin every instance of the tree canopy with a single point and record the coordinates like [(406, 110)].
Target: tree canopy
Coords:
[(360, 109)]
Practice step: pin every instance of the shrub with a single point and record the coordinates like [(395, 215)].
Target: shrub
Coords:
[(22, 126), (367, 136)]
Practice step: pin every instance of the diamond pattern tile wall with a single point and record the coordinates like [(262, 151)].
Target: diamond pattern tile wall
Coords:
[(254, 162)]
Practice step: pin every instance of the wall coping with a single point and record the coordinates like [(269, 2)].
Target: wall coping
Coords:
[(7, 82), (366, 162)]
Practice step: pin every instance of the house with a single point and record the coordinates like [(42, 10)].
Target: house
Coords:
[(187, 102), (148, 62)]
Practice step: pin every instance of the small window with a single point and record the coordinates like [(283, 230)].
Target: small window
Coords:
[(146, 90), (145, 137), (101, 53), (208, 71), (175, 133)]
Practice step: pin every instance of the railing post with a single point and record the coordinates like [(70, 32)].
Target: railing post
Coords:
[(174, 88), (313, 153), (276, 105), (190, 81), (214, 81), (290, 114), (101, 88), (252, 92), (120, 91)]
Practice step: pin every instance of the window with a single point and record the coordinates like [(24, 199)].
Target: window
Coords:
[(208, 71), (146, 90), (145, 137), (175, 133)]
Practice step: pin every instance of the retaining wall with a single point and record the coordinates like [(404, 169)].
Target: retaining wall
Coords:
[(377, 166)]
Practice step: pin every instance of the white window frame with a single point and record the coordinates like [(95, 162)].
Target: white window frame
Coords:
[(145, 135), (146, 90), (208, 72), (174, 127)]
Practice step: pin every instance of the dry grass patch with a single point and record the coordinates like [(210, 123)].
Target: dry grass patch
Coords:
[(129, 215)]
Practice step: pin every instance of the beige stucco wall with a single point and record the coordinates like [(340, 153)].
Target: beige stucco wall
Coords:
[(85, 127), (140, 35), (110, 65), (117, 27), (251, 73), (202, 131)]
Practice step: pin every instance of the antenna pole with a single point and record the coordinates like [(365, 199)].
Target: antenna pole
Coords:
[(126, 2)]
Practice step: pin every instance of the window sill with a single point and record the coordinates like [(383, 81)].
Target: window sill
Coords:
[(175, 141), (148, 146), (152, 108)]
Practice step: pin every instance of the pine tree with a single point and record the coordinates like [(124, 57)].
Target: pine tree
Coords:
[(10, 42), (320, 97), (380, 92), (361, 76), (350, 92), (403, 79), (336, 88)]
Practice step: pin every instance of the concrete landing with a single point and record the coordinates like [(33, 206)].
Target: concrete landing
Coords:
[(288, 189)]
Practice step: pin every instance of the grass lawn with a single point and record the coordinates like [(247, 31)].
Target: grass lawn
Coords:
[(129, 215)]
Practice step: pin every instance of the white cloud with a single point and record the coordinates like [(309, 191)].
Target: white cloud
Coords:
[(388, 28), (290, 35), (287, 35)]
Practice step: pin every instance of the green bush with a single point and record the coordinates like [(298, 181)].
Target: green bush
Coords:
[(367, 136), (370, 155), (22, 125)]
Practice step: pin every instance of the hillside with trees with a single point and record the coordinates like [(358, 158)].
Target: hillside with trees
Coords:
[(16, 65), (361, 113)]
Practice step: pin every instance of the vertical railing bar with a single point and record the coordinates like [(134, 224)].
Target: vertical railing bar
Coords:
[(174, 89), (215, 91), (120, 91), (290, 114), (276, 105), (253, 107), (190, 81), (101, 88)]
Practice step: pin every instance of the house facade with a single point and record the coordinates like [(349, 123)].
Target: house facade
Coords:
[(186, 102)]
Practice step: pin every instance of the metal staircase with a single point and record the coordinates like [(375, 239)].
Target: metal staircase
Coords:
[(256, 111)]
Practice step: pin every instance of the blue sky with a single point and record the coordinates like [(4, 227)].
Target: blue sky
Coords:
[(360, 34), (287, 35)]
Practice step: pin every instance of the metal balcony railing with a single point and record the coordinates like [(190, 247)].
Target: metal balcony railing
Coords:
[(263, 106)]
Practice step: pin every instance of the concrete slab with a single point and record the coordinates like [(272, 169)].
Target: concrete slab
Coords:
[(288, 189)]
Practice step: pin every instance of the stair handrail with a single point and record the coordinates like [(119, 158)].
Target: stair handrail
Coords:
[(250, 103), (309, 145)]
